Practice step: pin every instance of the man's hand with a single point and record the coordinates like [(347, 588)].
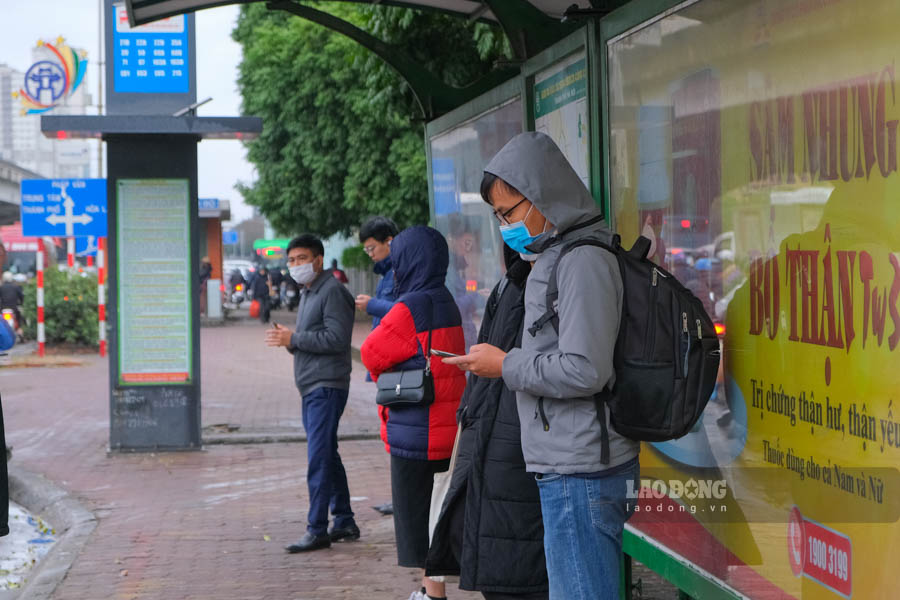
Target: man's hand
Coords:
[(279, 335), (483, 360), (362, 301)]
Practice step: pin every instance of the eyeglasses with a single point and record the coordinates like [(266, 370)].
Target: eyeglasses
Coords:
[(502, 217), (369, 249)]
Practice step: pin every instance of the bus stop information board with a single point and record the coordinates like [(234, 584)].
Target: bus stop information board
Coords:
[(153, 219), (560, 110)]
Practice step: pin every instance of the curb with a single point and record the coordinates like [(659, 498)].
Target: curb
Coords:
[(65, 513), (277, 438)]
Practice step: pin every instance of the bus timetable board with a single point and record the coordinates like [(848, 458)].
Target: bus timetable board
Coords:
[(154, 283)]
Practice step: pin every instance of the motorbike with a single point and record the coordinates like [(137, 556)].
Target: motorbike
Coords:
[(291, 297), (237, 295)]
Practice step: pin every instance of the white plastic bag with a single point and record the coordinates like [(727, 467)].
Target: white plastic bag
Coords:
[(441, 487)]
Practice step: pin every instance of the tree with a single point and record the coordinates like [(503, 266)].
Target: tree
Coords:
[(340, 138)]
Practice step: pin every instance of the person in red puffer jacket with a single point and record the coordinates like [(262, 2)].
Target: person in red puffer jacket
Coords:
[(420, 438)]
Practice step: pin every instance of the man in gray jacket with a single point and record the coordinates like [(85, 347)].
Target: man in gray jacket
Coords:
[(541, 204), (322, 364)]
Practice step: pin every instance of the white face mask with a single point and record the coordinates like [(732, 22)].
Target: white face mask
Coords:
[(303, 274)]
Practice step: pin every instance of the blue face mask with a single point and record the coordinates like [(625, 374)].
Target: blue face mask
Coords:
[(516, 235)]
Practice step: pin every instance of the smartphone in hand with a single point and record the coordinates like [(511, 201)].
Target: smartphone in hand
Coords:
[(443, 354)]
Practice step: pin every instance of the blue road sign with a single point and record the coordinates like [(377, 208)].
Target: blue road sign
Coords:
[(152, 58), (63, 207), (86, 246), (229, 237), (208, 203)]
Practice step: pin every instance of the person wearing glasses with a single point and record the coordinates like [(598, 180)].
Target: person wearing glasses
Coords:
[(376, 236), (542, 204)]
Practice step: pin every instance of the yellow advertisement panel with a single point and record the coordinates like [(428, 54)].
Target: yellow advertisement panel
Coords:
[(756, 144)]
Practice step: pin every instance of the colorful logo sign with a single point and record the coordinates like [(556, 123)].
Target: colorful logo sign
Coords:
[(49, 82)]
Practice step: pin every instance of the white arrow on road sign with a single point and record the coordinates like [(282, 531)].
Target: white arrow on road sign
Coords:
[(69, 219)]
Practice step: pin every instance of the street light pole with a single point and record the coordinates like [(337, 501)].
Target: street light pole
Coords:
[(100, 61)]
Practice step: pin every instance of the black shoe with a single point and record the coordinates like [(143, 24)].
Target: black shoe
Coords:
[(386, 509), (348, 533), (309, 542)]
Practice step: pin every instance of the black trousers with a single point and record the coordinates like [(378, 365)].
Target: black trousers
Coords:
[(411, 485), (265, 309)]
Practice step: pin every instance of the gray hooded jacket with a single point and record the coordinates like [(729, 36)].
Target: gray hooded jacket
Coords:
[(556, 376)]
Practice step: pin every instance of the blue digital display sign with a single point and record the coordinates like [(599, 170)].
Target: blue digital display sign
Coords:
[(152, 58)]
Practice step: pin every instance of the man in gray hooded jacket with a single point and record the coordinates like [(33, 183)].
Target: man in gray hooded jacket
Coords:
[(542, 204)]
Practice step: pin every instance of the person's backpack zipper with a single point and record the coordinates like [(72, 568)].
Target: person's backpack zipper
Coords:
[(650, 336)]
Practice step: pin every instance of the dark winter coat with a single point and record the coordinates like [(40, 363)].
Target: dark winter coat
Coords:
[(490, 531), (385, 295)]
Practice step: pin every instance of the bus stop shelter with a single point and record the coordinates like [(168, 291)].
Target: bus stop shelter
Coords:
[(757, 148)]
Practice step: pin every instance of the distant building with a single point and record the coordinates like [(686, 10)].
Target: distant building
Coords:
[(11, 175)]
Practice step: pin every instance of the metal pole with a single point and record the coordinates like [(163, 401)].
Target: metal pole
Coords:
[(40, 298), (100, 61), (70, 245)]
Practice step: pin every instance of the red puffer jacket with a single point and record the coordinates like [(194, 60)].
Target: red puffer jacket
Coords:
[(399, 342)]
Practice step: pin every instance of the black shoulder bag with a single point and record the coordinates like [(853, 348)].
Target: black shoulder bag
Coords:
[(413, 387)]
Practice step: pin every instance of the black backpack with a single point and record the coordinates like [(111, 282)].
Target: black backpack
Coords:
[(667, 352)]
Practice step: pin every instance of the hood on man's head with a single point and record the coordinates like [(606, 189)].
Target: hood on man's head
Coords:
[(533, 164), (420, 258)]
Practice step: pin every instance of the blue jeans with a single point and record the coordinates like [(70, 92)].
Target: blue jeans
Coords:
[(325, 475), (584, 516)]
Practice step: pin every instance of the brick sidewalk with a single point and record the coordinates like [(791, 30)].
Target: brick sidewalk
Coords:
[(246, 383), (211, 524)]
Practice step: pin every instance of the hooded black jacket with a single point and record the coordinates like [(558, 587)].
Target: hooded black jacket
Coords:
[(490, 531)]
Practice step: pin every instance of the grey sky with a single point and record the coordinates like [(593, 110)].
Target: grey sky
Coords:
[(221, 163)]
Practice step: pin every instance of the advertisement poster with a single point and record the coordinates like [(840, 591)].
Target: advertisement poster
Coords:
[(154, 281), (561, 111), (777, 202)]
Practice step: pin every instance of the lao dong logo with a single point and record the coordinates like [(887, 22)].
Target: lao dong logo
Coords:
[(692, 489), (51, 80)]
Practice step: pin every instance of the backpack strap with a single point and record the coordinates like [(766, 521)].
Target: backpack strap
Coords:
[(552, 298)]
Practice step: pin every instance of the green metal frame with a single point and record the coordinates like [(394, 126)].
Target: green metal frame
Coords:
[(528, 29), (691, 581)]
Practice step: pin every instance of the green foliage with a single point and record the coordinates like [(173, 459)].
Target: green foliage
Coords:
[(355, 257), (338, 137), (70, 308)]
